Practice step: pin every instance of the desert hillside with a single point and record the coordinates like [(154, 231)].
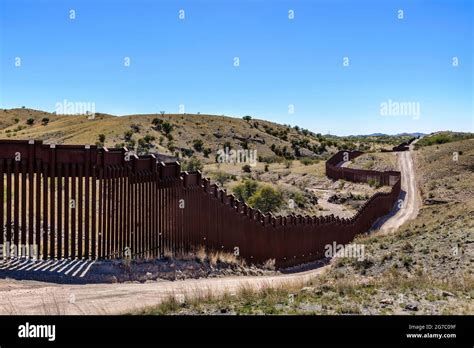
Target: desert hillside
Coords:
[(182, 135)]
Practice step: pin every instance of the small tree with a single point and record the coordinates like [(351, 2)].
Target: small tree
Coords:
[(30, 121), (167, 128), (247, 118), (246, 169), (135, 128), (45, 121), (149, 138), (102, 138), (198, 145), (267, 199), (207, 152), (245, 190), (193, 165), (128, 135), (157, 124)]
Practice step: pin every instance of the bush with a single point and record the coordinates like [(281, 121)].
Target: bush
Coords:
[(247, 118), (102, 138), (222, 177), (374, 183), (245, 190), (167, 128), (207, 152), (192, 165), (157, 121), (308, 161), (246, 169), (198, 145), (45, 121), (149, 138), (267, 199), (127, 135), (30, 121), (135, 128)]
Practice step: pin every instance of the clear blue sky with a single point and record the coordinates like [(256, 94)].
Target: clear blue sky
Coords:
[(282, 61)]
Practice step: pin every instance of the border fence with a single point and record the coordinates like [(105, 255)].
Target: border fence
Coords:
[(82, 202)]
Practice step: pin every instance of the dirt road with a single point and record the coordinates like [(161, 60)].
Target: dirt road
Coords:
[(410, 203), (30, 297)]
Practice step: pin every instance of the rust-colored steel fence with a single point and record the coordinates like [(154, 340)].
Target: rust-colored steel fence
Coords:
[(82, 202)]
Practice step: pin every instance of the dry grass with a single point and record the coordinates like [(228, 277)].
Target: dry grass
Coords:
[(202, 255)]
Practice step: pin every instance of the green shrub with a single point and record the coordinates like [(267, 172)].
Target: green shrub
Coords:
[(246, 169), (245, 190), (198, 145), (167, 128), (192, 165), (267, 199)]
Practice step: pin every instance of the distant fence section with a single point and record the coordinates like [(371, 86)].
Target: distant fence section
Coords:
[(81, 202)]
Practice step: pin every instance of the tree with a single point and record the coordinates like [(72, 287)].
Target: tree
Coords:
[(45, 121), (246, 168), (167, 127), (207, 152), (30, 121), (247, 118), (245, 190), (198, 145), (128, 135), (135, 128), (157, 123), (102, 138), (193, 165), (149, 138), (267, 199)]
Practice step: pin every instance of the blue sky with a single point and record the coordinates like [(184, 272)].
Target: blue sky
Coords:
[(283, 62)]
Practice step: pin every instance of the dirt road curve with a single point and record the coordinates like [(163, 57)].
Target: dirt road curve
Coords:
[(30, 297), (410, 205)]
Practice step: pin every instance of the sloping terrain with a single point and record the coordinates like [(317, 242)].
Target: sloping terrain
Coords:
[(448, 171), (184, 135)]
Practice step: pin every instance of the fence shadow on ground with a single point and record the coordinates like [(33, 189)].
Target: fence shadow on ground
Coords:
[(57, 271)]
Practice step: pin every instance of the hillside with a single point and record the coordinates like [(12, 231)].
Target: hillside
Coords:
[(181, 135)]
